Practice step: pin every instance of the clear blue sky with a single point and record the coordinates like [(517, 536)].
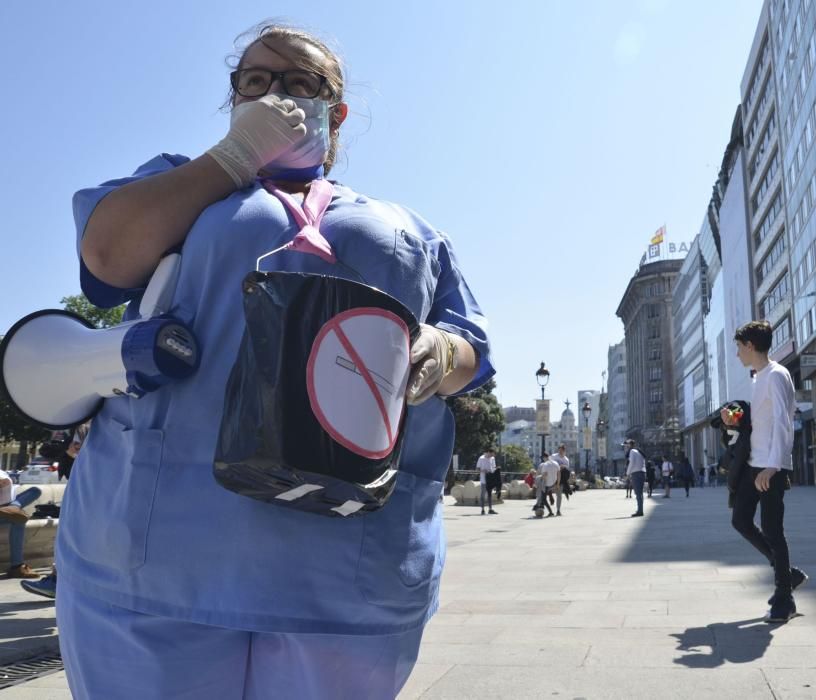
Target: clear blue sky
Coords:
[(549, 139)]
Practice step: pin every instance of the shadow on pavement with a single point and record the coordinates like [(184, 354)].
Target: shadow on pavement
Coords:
[(736, 642), (699, 529)]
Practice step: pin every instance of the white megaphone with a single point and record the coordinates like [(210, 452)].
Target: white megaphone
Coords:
[(57, 369)]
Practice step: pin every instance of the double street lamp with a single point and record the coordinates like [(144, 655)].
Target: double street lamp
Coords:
[(586, 409), (543, 378)]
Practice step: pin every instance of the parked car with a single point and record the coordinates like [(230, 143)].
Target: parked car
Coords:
[(39, 472)]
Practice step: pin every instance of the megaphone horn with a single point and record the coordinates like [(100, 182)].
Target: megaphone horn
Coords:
[(57, 368)]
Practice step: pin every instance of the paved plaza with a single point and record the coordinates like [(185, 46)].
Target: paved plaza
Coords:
[(594, 604)]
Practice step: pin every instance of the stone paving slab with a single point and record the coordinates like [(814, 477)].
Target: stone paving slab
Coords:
[(590, 605), (27, 623), (665, 606)]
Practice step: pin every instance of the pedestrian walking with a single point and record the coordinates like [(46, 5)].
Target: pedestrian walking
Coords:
[(650, 476), (628, 482), (547, 479), (486, 465), (562, 488), (495, 482), (701, 476), (766, 479), (666, 470), (686, 474), (172, 585), (636, 471), (712, 475)]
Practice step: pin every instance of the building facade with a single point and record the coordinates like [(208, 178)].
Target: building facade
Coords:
[(646, 312), (565, 432), (617, 408)]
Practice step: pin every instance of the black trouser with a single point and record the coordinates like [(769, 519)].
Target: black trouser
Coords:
[(770, 540), (687, 484), (638, 479), (542, 501)]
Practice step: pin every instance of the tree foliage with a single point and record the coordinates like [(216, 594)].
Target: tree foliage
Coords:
[(13, 427), (101, 318), (479, 420), (515, 459)]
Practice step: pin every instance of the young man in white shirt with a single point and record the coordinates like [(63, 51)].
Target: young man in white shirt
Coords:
[(666, 470), (547, 480), (767, 478), (486, 464), (636, 471), (561, 459)]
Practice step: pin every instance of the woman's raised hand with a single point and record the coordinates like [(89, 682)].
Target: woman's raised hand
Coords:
[(259, 132)]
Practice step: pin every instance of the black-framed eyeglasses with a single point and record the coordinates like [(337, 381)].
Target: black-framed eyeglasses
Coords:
[(256, 82)]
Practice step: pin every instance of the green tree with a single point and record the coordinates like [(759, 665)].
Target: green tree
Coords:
[(13, 427), (101, 318), (515, 459), (479, 420)]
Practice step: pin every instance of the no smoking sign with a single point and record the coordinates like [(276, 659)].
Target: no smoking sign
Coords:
[(356, 377)]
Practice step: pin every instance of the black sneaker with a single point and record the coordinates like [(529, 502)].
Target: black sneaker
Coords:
[(492, 512), (482, 511), (798, 577), (558, 513), (782, 610), (636, 515)]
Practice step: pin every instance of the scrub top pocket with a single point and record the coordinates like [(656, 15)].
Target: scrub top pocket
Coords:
[(402, 545), (124, 479)]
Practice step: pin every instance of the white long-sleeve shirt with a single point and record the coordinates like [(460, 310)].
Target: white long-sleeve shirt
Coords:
[(636, 462), (772, 407), (486, 465)]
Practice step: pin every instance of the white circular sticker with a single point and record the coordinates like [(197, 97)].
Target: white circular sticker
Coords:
[(356, 378)]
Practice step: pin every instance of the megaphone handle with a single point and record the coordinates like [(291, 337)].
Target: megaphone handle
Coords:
[(158, 295)]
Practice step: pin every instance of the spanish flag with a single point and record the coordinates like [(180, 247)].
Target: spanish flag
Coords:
[(658, 236)]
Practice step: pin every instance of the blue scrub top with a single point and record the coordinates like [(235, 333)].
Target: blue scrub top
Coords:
[(145, 526)]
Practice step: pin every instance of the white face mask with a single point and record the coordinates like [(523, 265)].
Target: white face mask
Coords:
[(312, 150)]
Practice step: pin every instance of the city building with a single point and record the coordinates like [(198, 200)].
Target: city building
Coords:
[(779, 111), (593, 397), (767, 211), (565, 432), (646, 312), (514, 413), (733, 287), (617, 409), (522, 433)]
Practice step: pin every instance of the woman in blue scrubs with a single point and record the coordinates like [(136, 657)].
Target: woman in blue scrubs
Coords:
[(171, 586)]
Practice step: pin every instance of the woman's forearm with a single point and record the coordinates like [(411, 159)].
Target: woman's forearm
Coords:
[(467, 364), (133, 226)]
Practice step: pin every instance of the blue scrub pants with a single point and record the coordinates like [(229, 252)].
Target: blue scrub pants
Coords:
[(112, 652)]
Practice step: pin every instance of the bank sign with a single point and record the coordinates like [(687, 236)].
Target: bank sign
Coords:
[(665, 250)]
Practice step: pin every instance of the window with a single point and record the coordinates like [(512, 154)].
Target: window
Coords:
[(768, 220), (765, 183), (770, 259), (777, 294), (781, 334), (655, 374), (656, 396)]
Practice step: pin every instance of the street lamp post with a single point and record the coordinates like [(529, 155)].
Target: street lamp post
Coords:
[(586, 409), (543, 378)]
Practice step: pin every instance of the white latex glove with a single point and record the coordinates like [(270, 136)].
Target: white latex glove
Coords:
[(312, 150), (259, 132), (429, 359)]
